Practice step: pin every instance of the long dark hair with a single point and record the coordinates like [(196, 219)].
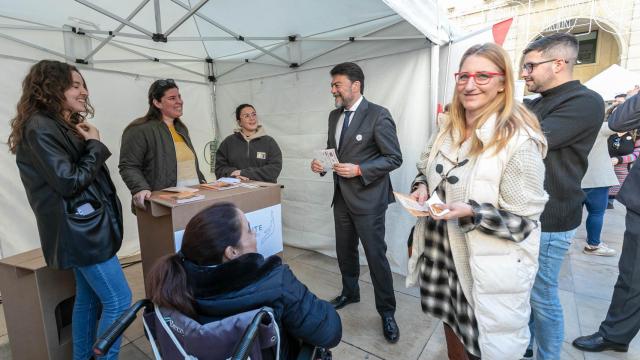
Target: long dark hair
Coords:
[(156, 92), (43, 91), (205, 238)]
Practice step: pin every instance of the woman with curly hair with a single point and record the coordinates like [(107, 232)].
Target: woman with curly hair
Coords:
[(62, 166)]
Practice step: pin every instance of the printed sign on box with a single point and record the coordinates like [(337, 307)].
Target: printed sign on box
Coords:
[(267, 225)]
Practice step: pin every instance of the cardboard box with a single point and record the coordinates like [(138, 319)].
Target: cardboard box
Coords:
[(38, 303), (164, 219)]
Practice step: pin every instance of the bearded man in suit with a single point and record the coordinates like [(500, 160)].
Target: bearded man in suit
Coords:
[(364, 136)]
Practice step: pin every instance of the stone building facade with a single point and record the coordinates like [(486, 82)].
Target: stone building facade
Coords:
[(608, 31)]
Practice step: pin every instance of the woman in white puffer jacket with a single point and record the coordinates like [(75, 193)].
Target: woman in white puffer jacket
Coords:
[(476, 264)]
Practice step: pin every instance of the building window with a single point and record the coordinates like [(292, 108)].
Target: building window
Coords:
[(587, 47)]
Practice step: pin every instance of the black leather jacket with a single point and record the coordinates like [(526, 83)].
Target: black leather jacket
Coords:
[(60, 172)]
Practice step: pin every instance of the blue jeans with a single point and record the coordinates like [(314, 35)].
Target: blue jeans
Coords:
[(105, 284), (546, 312), (596, 203)]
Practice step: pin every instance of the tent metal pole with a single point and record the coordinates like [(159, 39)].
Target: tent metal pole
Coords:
[(204, 38), (275, 47), (105, 41), (24, 27), (164, 51), (228, 71), (114, 16), (182, 68), (434, 78), (186, 16), (31, 45), (254, 60), (23, 20), (144, 60), (151, 58), (245, 61), (320, 33), (362, 38), (300, 39), (348, 42), (230, 32), (267, 52), (281, 38), (106, 71), (125, 48), (310, 68), (113, 33), (446, 70), (156, 9)]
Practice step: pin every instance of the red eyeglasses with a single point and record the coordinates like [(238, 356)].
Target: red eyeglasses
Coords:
[(480, 77)]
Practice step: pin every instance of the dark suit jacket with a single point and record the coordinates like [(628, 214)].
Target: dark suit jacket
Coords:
[(372, 143), (626, 118)]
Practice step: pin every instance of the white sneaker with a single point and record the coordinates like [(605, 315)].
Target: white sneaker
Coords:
[(600, 250)]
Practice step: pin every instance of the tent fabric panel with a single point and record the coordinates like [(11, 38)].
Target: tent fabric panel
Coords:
[(288, 17), (427, 18), (294, 109), (612, 81)]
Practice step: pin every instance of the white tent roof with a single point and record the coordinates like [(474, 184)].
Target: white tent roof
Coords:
[(243, 39), (612, 81)]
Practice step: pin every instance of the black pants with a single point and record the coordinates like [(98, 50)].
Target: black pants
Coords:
[(370, 229), (623, 318)]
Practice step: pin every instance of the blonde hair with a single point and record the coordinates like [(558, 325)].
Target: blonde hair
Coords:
[(511, 116)]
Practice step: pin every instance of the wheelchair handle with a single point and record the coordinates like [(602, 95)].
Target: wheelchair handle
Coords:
[(104, 341), (241, 352)]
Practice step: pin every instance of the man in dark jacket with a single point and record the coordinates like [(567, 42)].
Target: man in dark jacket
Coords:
[(623, 318), (570, 116)]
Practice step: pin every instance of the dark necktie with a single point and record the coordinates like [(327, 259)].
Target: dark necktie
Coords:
[(345, 126)]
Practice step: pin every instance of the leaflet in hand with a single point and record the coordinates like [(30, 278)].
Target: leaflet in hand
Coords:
[(434, 204), (327, 158)]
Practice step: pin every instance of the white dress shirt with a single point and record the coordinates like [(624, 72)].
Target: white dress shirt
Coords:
[(341, 120)]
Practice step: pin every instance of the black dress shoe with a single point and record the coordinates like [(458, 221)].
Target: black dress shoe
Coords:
[(390, 329), (341, 301), (596, 343)]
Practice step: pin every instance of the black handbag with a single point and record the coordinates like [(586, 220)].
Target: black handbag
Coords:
[(88, 236)]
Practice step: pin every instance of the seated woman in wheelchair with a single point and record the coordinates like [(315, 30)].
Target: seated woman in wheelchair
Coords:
[(218, 273)]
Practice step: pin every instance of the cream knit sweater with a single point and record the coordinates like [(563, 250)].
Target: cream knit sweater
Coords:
[(521, 193)]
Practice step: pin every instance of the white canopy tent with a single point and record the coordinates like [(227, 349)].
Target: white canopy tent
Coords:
[(273, 54), (612, 81)]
